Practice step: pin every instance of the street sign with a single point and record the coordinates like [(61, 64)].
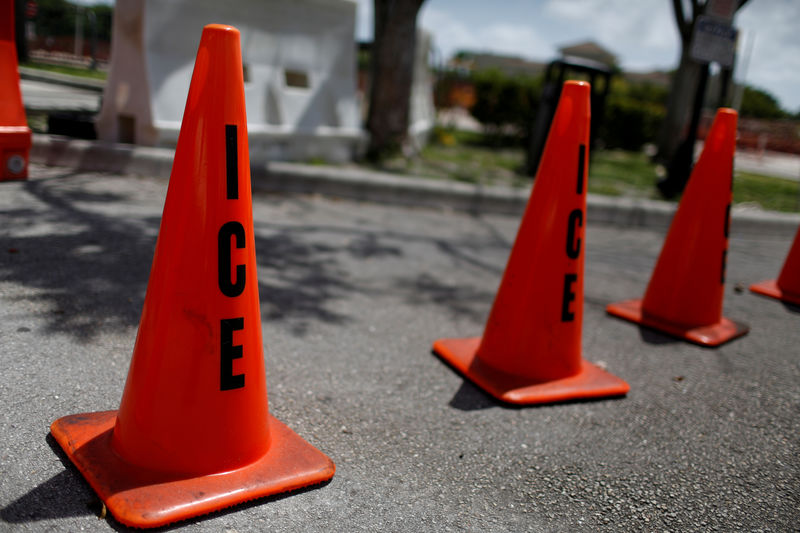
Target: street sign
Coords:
[(713, 41)]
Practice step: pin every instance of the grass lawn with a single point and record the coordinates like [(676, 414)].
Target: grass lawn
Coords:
[(481, 159), (775, 194), (72, 71)]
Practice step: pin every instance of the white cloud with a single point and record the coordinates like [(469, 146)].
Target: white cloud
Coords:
[(451, 34), (515, 40), (364, 25), (642, 33), (775, 61)]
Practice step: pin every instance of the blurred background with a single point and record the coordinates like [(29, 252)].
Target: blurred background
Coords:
[(495, 72)]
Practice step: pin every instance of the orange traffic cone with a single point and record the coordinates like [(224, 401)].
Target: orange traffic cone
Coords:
[(15, 135), (193, 433), (684, 297), (531, 347), (787, 286)]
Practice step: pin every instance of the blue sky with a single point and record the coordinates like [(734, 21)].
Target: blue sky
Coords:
[(641, 33)]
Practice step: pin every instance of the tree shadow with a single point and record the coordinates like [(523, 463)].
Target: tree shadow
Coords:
[(461, 301), (62, 496), (300, 280), (86, 267)]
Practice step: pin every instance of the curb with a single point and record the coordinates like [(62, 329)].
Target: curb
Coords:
[(33, 74), (382, 187)]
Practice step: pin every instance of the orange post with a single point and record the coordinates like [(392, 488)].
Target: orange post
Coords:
[(530, 351), (685, 293), (193, 433), (787, 287), (15, 135)]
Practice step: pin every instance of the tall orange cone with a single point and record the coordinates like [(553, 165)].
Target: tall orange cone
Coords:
[(787, 286), (531, 348), (15, 135), (684, 296), (193, 433)]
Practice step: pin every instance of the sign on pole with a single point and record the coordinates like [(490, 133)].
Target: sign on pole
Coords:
[(713, 40)]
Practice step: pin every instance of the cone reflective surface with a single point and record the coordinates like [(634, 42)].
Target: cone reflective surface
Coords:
[(15, 135), (787, 287), (685, 293), (193, 433), (530, 351)]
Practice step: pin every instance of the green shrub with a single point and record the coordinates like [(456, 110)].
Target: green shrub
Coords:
[(629, 124), (633, 114), (505, 104)]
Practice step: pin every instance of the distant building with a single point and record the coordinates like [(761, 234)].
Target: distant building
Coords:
[(467, 62), (660, 78), (589, 50)]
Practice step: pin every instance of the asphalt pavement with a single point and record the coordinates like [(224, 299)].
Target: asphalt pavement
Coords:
[(353, 293)]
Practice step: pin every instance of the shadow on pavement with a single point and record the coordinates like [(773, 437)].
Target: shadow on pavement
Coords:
[(58, 497), (651, 336), (67, 494), (460, 300), (91, 268), (792, 308), (468, 397), (88, 266)]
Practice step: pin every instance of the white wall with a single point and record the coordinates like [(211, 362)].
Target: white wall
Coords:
[(154, 45)]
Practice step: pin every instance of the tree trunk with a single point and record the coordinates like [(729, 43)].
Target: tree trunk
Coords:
[(392, 75), (679, 105), (684, 83)]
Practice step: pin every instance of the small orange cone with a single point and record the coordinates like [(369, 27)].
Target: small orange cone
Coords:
[(684, 296), (15, 135), (531, 348), (787, 286), (193, 433)]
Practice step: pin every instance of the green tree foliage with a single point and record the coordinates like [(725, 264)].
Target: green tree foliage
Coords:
[(634, 114), (757, 103), (56, 18), (503, 101)]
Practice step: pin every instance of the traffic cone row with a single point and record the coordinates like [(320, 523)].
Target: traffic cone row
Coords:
[(15, 135), (193, 432)]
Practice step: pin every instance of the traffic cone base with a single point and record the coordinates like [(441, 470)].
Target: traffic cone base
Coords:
[(590, 382), (710, 335), (141, 498), (770, 288), (15, 145)]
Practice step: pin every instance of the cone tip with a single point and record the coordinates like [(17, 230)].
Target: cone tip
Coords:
[(727, 111), (574, 88), (219, 28), (576, 83)]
